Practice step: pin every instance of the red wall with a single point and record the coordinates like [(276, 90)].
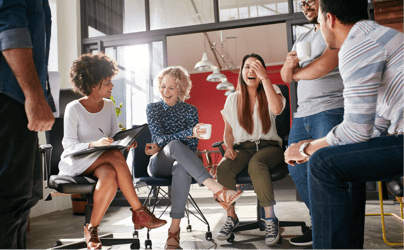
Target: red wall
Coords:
[(209, 101)]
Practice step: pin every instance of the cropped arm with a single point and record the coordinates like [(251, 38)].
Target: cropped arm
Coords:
[(228, 135), (319, 67), (362, 78), (157, 128)]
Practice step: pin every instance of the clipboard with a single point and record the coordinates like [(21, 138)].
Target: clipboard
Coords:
[(122, 140)]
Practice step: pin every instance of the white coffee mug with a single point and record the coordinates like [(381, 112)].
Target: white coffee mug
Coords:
[(208, 129), (303, 50)]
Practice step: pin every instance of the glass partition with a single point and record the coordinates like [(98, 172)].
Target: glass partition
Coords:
[(178, 13), (114, 17), (237, 9)]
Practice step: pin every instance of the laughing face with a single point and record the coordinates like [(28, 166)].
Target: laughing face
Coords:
[(169, 90), (311, 12), (249, 75)]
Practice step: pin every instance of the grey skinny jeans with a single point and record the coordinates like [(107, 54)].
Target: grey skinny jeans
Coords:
[(176, 160)]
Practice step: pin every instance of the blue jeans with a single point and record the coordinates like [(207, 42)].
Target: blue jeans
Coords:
[(310, 128), (315, 127), (330, 170), (180, 162)]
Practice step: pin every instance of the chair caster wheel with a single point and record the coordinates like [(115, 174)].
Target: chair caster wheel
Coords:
[(280, 240), (208, 236), (189, 228), (135, 234), (135, 245), (148, 244), (231, 239)]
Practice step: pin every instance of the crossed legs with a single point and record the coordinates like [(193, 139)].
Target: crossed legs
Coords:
[(112, 172)]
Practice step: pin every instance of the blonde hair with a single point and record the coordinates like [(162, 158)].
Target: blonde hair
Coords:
[(181, 79)]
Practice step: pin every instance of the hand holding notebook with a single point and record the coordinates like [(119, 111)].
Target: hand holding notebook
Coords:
[(122, 140)]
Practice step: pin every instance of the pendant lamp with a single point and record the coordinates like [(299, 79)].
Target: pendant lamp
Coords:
[(224, 85), (204, 65), (216, 76)]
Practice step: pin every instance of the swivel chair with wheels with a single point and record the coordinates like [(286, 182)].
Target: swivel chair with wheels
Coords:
[(83, 185), (277, 173), (157, 195)]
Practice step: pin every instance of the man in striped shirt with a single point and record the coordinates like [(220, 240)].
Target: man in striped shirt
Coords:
[(368, 144)]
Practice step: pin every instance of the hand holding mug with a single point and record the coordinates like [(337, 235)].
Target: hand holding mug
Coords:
[(303, 50), (151, 148)]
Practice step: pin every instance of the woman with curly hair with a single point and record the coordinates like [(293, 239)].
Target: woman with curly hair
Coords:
[(91, 76), (252, 141), (174, 126)]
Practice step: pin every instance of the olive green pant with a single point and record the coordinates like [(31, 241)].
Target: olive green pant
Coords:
[(259, 165)]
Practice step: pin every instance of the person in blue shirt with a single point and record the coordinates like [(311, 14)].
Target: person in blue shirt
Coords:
[(174, 126), (24, 43)]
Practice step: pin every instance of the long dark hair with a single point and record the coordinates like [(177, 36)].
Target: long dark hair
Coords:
[(244, 114)]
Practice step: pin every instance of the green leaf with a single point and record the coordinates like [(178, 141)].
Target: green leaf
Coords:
[(112, 99)]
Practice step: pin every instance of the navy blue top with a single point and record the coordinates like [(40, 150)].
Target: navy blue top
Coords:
[(24, 24), (168, 123)]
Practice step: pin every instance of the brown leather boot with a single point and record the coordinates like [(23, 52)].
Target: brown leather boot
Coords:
[(143, 218), (176, 237), (91, 234)]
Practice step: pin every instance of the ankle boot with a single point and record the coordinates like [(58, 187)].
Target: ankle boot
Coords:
[(92, 240), (176, 237), (144, 218)]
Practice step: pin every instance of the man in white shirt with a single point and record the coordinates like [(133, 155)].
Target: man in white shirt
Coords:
[(368, 144)]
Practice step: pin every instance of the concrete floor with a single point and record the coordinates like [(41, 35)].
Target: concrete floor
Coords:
[(46, 229)]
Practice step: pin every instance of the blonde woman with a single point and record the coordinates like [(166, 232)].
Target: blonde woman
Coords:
[(174, 126)]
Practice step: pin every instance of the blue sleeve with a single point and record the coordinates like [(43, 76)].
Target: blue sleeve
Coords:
[(14, 31), (193, 119), (157, 128)]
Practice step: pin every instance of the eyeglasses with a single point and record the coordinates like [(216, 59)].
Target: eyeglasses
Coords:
[(308, 3)]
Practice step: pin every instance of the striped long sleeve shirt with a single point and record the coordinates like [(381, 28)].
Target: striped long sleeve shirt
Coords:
[(371, 66)]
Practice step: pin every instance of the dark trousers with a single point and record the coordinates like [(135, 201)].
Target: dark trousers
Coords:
[(20, 173), (331, 170)]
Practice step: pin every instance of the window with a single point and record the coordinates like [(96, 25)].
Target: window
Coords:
[(134, 88), (237, 9), (169, 14), (114, 17)]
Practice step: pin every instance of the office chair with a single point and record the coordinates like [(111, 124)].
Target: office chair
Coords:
[(277, 173), (395, 186), (83, 185), (157, 195)]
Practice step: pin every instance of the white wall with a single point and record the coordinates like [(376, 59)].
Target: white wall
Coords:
[(65, 48)]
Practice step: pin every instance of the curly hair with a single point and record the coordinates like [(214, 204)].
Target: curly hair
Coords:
[(89, 70), (181, 78)]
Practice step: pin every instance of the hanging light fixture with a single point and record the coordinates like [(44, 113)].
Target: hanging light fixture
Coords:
[(224, 85), (204, 65), (228, 92), (216, 76)]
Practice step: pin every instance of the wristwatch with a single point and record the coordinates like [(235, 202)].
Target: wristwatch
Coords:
[(302, 148)]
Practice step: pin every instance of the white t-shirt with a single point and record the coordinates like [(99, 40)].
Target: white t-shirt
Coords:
[(229, 112), (81, 128)]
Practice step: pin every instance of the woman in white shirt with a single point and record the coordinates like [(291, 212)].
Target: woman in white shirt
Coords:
[(91, 76), (252, 141)]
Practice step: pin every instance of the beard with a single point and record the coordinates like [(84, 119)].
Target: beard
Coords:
[(313, 21)]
